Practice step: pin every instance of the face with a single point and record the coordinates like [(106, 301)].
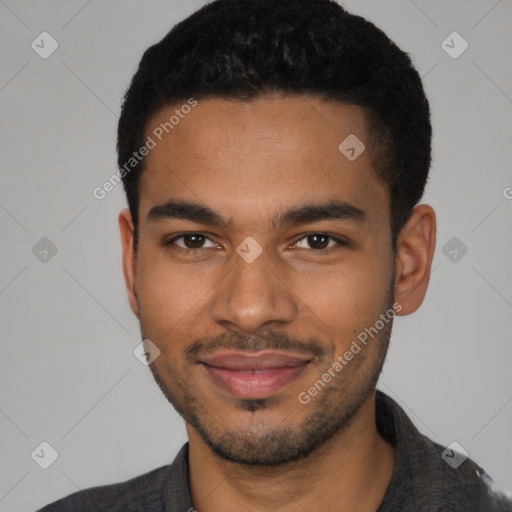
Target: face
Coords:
[(263, 254)]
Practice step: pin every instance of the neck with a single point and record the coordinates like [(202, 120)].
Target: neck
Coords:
[(351, 471)]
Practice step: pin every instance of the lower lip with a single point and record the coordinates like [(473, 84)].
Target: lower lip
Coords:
[(255, 384)]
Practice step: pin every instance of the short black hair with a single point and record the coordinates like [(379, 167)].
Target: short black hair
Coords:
[(246, 49)]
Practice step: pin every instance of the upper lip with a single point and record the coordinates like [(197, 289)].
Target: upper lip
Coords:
[(248, 361)]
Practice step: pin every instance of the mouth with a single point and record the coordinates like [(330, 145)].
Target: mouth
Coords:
[(253, 375)]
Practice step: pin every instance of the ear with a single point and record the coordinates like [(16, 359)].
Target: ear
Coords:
[(414, 253), (129, 262)]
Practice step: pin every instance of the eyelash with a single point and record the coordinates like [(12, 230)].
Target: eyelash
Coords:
[(339, 242)]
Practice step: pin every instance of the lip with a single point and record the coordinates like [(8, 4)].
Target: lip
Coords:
[(253, 375)]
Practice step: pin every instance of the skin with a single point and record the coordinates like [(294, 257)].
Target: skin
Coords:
[(249, 162)]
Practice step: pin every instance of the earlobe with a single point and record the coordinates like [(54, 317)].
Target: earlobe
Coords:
[(126, 229), (415, 251)]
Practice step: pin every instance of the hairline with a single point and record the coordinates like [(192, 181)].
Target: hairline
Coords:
[(371, 126)]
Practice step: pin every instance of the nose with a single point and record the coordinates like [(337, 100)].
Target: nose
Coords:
[(254, 296)]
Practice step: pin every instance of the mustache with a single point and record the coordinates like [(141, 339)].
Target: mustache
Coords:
[(270, 340)]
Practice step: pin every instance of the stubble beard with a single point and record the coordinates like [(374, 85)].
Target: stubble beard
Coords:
[(328, 414)]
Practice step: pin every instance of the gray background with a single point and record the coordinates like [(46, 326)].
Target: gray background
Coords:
[(68, 374)]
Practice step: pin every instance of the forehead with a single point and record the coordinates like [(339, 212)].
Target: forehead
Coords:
[(260, 156)]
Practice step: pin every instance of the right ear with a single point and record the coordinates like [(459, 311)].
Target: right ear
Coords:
[(129, 263)]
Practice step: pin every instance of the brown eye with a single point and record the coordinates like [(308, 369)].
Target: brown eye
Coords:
[(194, 241), (317, 241), (191, 241)]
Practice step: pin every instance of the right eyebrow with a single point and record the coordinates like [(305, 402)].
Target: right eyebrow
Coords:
[(186, 210)]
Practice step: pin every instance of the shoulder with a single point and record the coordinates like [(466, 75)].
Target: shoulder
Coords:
[(443, 479), (143, 492), (428, 476), (467, 486)]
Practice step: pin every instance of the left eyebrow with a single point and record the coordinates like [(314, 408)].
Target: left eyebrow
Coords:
[(308, 213)]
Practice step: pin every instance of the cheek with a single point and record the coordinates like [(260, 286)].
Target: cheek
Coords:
[(347, 298), (169, 297)]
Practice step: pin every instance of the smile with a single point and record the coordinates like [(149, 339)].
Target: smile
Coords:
[(254, 375)]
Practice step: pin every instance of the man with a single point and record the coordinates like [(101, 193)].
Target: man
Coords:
[(273, 154)]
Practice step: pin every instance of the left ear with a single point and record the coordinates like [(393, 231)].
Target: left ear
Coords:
[(414, 253)]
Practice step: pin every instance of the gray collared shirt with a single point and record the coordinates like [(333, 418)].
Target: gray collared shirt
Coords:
[(421, 481)]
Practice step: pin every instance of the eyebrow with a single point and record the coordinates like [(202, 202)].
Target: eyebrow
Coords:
[(303, 214)]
